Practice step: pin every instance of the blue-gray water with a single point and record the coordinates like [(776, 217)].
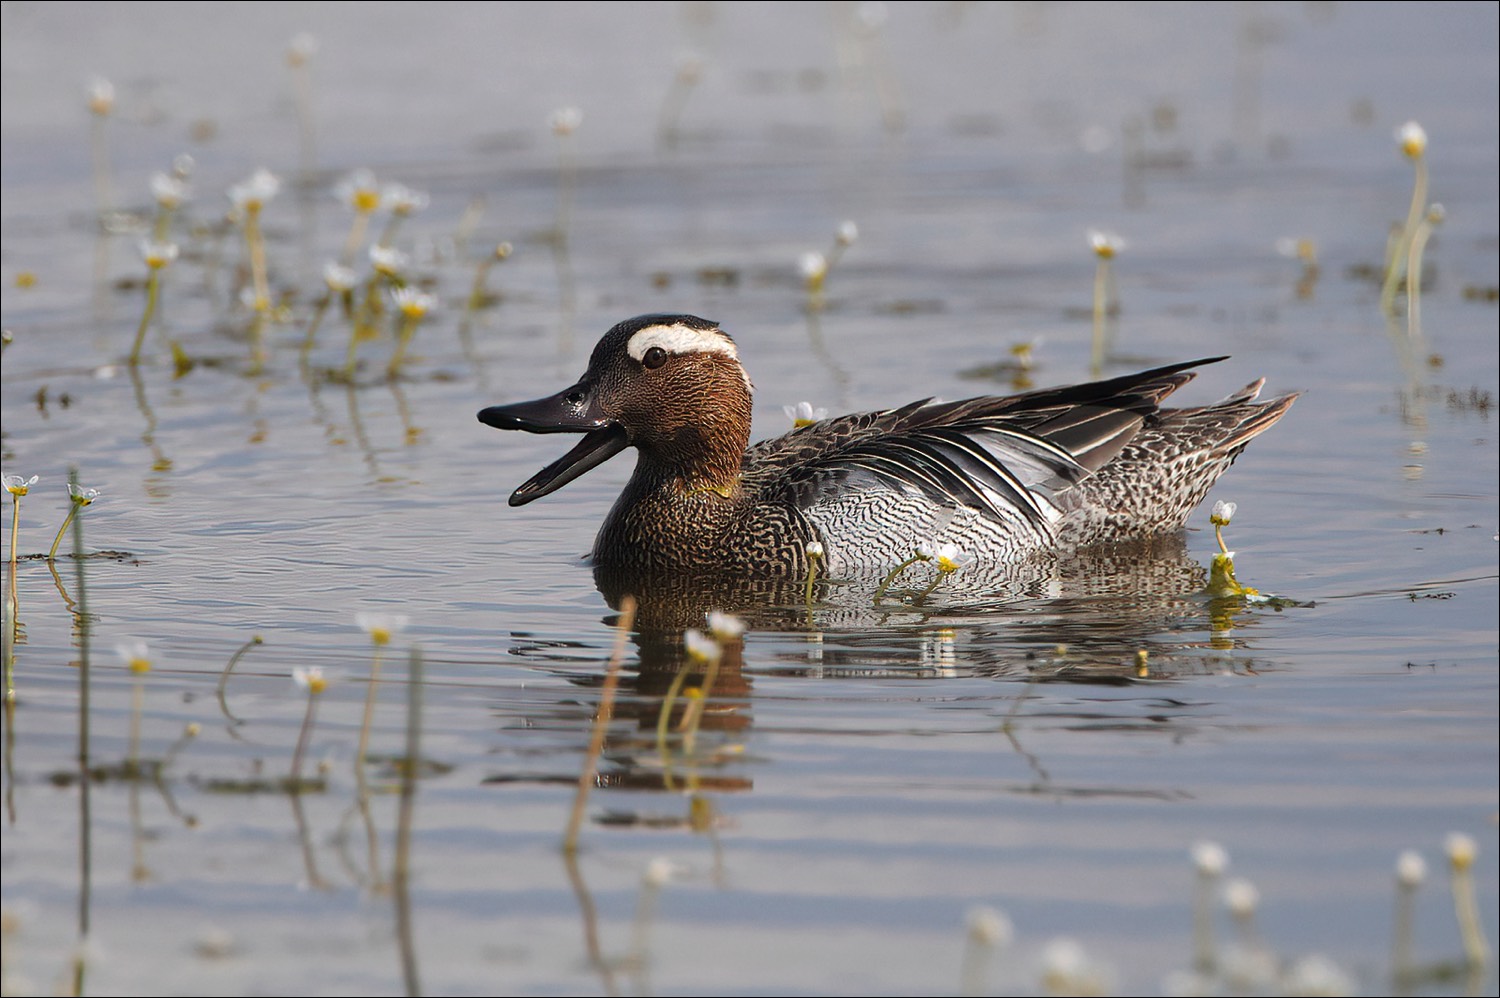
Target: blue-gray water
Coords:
[(863, 779)]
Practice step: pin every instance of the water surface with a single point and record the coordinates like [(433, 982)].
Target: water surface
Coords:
[(864, 776)]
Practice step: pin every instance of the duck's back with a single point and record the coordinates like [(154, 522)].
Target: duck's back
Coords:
[(1005, 478)]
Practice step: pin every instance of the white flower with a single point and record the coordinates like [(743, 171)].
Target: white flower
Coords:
[(1105, 244), (1461, 849), (1317, 975), (381, 627), (1411, 869), (360, 192), (1241, 897), (412, 302), (1412, 139), (303, 47), (813, 266), (848, 232), (339, 278), (725, 626), (1068, 969), (814, 549), (658, 872), (309, 678), (157, 255), (135, 655), (101, 96), (80, 496), (991, 927), (252, 194), (387, 260), (18, 486), (803, 414), (1210, 858), (700, 647), (403, 200), (1222, 513), (565, 120), (948, 556), (1298, 248), (169, 190)]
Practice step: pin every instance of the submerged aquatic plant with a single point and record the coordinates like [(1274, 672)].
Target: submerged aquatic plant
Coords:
[(1106, 246), (158, 256), (477, 294), (101, 104), (17, 487), (311, 679), (1221, 580), (299, 55), (1462, 851), (814, 556), (1434, 217), (249, 199), (815, 267), (340, 281), (80, 498), (361, 194), (1209, 861), (989, 931), (137, 659), (946, 557), (565, 122), (403, 202), (412, 305), (1411, 139), (170, 191)]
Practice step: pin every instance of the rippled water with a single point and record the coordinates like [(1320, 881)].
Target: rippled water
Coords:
[(864, 775)]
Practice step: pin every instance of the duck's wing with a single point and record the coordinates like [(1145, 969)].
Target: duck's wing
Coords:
[(1001, 456)]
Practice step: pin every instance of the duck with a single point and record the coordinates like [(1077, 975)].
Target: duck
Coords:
[(1003, 479)]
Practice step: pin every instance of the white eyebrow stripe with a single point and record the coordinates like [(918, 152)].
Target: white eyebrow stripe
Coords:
[(680, 339)]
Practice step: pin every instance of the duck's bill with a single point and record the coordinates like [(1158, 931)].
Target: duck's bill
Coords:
[(570, 411), (594, 449)]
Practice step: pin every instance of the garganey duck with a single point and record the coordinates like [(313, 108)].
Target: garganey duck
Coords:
[(1004, 478)]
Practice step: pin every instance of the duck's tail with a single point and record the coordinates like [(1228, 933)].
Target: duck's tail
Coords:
[(1161, 476)]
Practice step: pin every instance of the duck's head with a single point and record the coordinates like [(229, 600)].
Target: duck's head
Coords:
[(670, 385)]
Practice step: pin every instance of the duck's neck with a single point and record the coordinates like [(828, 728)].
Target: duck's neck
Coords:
[(672, 513)]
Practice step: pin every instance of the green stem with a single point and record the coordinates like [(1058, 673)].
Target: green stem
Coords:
[(1414, 280), (137, 703), (312, 326), (72, 512), (476, 294), (152, 283), (163, 224), (257, 246), (1395, 265), (224, 676), (405, 813), (1101, 308), (403, 339), (295, 784), (85, 810), (355, 237), (886, 582)]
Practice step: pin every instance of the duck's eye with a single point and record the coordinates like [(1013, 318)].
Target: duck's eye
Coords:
[(655, 357)]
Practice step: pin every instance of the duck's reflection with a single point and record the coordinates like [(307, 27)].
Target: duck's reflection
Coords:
[(1117, 616)]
